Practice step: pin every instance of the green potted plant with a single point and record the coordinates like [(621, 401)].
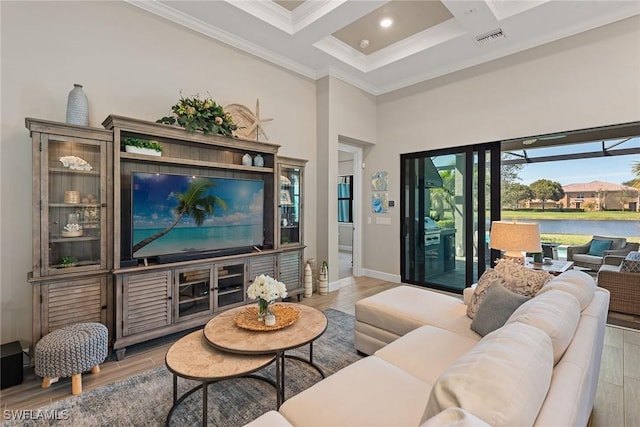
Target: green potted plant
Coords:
[(200, 114), (69, 261), (141, 146)]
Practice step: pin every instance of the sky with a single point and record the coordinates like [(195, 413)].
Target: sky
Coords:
[(614, 169), (154, 200)]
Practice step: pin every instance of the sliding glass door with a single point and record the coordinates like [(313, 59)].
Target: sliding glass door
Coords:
[(447, 206)]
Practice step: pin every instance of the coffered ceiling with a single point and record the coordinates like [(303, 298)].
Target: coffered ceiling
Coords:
[(427, 38)]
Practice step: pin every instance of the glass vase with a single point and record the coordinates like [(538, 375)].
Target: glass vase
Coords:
[(263, 309)]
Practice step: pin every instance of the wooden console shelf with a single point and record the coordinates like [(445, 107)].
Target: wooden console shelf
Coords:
[(93, 275)]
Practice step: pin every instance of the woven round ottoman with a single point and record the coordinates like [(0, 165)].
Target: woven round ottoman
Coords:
[(70, 351)]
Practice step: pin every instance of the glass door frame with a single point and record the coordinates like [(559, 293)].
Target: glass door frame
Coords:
[(475, 217)]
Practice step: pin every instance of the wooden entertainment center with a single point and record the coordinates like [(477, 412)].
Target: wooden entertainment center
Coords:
[(82, 176)]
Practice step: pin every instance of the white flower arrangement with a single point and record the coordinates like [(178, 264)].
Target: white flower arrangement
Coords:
[(266, 288)]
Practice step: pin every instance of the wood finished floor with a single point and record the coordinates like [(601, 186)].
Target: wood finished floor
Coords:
[(616, 400)]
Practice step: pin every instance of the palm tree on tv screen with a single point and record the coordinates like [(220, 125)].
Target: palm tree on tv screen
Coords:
[(195, 202)]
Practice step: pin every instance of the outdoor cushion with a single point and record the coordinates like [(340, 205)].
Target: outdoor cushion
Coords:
[(598, 247), (494, 310), (616, 242), (631, 263)]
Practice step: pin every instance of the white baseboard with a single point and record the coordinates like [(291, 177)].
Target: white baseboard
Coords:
[(340, 283), (395, 278)]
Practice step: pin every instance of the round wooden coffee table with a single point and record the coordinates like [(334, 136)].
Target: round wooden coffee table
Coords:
[(192, 357), (224, 334)]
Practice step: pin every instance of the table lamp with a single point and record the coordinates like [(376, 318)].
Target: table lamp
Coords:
[(515, 238)]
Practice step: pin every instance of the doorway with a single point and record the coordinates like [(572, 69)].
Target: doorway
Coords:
[(349, 210)]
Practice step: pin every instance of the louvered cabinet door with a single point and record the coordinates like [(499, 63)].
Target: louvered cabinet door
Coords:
[(146, 302), (263, 264), (74, 301), (289, 271)]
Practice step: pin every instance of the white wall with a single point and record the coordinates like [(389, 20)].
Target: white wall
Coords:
[(132, 64), (588, 80)]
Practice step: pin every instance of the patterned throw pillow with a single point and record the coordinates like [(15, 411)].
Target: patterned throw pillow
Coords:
[(488, 279), (631, 263), (529, 281)]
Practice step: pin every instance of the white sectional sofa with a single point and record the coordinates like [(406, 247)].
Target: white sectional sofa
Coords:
[(427, 367)]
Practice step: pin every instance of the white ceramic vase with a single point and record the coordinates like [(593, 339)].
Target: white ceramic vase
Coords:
[(308, 281)]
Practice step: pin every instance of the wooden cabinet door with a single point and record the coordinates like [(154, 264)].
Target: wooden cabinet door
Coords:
[(289, 271), (75, 301), (146, 301)]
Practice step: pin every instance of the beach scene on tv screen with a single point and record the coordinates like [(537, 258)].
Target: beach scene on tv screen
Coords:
[(230, 211)]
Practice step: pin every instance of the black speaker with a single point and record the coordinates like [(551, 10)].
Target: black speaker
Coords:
[(11, 364)]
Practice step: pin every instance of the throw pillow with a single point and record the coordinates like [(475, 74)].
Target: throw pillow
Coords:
[(631, 263), (496, 307), (598, 247), (528, 280), (488, 279)]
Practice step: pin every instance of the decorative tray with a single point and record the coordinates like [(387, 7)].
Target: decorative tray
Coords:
[(248, 318), (65, 233)]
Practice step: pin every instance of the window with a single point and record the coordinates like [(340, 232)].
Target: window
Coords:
[(345, 198)]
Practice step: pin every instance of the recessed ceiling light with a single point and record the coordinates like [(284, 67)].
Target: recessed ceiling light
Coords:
[(364, 43), (386, 22)]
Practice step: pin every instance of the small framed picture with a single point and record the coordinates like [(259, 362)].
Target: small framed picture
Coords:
[(285, 198)]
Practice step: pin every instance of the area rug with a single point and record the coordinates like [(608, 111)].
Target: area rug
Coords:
[(145, 399)]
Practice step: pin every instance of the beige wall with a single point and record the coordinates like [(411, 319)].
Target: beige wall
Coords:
[(135, 64), (583, 81), (132, 64), (347, 113)]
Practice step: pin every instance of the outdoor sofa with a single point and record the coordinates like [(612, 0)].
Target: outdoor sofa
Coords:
[(591, 255), (621, 277)]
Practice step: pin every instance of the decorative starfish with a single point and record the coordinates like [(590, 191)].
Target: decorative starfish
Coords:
[(257, 123)]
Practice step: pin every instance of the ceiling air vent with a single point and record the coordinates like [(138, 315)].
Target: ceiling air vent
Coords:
[(491, 36)]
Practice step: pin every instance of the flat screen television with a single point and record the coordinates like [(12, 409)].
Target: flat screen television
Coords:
[(178, 217)]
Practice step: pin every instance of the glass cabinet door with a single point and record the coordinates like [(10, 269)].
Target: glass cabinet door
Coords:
[(230, 288), (72, 198), (194, 296), (290, 205), (69, 198)]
